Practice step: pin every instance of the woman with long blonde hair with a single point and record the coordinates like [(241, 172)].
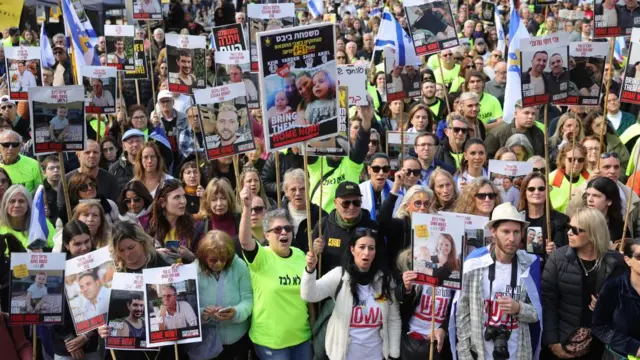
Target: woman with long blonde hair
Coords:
[(444, 189)]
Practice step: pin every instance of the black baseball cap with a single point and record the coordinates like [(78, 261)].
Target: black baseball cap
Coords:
[(348, 188)]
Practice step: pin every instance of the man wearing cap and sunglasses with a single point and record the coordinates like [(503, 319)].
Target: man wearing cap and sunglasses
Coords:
[(338, 227), (8, 111), (22, 170), (62, 69), (501, 285)]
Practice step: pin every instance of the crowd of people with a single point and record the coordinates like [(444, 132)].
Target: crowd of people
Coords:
[(338, 281)]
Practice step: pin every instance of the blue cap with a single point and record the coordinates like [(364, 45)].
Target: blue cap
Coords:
[(131, 133)]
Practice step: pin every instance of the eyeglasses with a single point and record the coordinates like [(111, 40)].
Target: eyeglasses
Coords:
[(574, 229), (279, 229), (414, 172), (143, 117), (580, 160), (457, 130), (541, 170), (607, 155), (376, 169), (10, 145), (421, 204), (85, 187), (347, 203), (257, 209), (485, 196), (374, 142), (533, 188)]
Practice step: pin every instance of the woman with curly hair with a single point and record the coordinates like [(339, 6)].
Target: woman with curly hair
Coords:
[(479, 197)]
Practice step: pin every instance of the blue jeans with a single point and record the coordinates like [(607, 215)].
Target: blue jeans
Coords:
[(297, 352)]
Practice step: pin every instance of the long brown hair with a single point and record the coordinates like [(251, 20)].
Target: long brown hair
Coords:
[(159, 226), (523, 205), (452, 260), (139, 170)]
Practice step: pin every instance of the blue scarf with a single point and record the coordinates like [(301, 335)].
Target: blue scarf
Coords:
[(385, 192)]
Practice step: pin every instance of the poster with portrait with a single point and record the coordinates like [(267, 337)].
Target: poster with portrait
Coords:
[(87, 285), (57, 118), (476, 233), (227, 129), (508, 175), (119, 40), (229, 38), (630, 92), (304, 57), (338, 145), (534, 240), (100, 89), (139, 71), (570, 14), (147, 10), (488, 15), (186, 62), (127, 313), (173, 306), (544, 2), (354, 77), (266, 17), (431, 26), (395, 141), (36, 287), (232, 67), (586, 61), (23, 70), (610, 21), (544, 62), (437, 249)]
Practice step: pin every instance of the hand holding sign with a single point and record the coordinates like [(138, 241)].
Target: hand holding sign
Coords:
[(312, 260)]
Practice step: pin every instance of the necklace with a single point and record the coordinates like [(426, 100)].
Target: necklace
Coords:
[(586, 272)]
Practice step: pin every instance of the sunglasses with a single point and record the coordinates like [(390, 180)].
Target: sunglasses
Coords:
[(132, 200), (278, 229), (5, 107), (85, 187), (376, 169), (414, 172), (533, 188), (580, 160), (10, 144), (374, 142), (421, 204), (347, 203), (574, 229), (607, 155), (485, 196), (636, 256), (257, 209), (457, 130), (541, 170), (469, 66)]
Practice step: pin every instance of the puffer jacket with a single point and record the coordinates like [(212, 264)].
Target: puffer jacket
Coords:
[(562, 291)]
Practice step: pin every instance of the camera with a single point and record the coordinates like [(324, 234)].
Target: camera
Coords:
[(500, 337)]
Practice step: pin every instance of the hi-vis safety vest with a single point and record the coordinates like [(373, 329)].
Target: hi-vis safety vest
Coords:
[(347, 170), (560, 195)]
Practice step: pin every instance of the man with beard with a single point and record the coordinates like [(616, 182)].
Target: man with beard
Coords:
[(227, 124), (134, 323), (558, 79), (438, 107), (293, 97), (378, 187), (500, 278), (185, 66), (535, 77), (175, 314)]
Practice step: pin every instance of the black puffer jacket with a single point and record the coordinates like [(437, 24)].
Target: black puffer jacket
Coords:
[(336, 239), (288, 160), (562, 291)]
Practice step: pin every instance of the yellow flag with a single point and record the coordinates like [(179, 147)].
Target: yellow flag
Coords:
[(10, 11)]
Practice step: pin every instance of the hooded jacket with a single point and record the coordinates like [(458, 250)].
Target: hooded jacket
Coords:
[(498, 137), (443, 153)]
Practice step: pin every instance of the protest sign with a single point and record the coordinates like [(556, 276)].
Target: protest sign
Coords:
[(36, 287), (266, 17), (570, 14), (87, 287), (545, 77), (488, 15), (475, 231), (340, 144), (100, 89), (631, 83), (127, 313), (233, 67), (139, 62), (23, 70), (229, 38), (431, 26), (57, 118), (354, 77), (437, 249), (586, 61), (302, 56), (611, 19), (173, 305), (395, 139), (507, 176), (186, 62), (535, 242), (119, 40), (227, 130), (147, 10)]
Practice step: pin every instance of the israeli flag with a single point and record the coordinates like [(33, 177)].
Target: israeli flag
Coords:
[(501, 38), (38, 229), (619, 46), (46, 53), (316, 7), (392, 34), (513, 91), (83, 38)]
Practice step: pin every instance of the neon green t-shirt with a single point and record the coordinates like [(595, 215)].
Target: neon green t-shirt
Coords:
[(25, 171), (449, 75), (490, 109), (457, 158), (23, 236), (280, 317), (346, 171)]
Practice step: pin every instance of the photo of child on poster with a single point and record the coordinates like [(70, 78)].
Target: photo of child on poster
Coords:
[(57, 118), (312, 70), (88, 288), (36, 288), (266, 17), (186, 62), (431, 26), (171, 298), (120, 46), (338, 145), (127, 313), (100, 88), (544, 72), (438, 249), (23, 70)]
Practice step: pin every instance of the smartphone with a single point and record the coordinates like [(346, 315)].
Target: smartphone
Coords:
[(172, 244), (227, 309)]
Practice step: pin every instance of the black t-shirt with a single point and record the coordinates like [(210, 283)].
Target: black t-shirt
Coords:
[(589, 283)]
